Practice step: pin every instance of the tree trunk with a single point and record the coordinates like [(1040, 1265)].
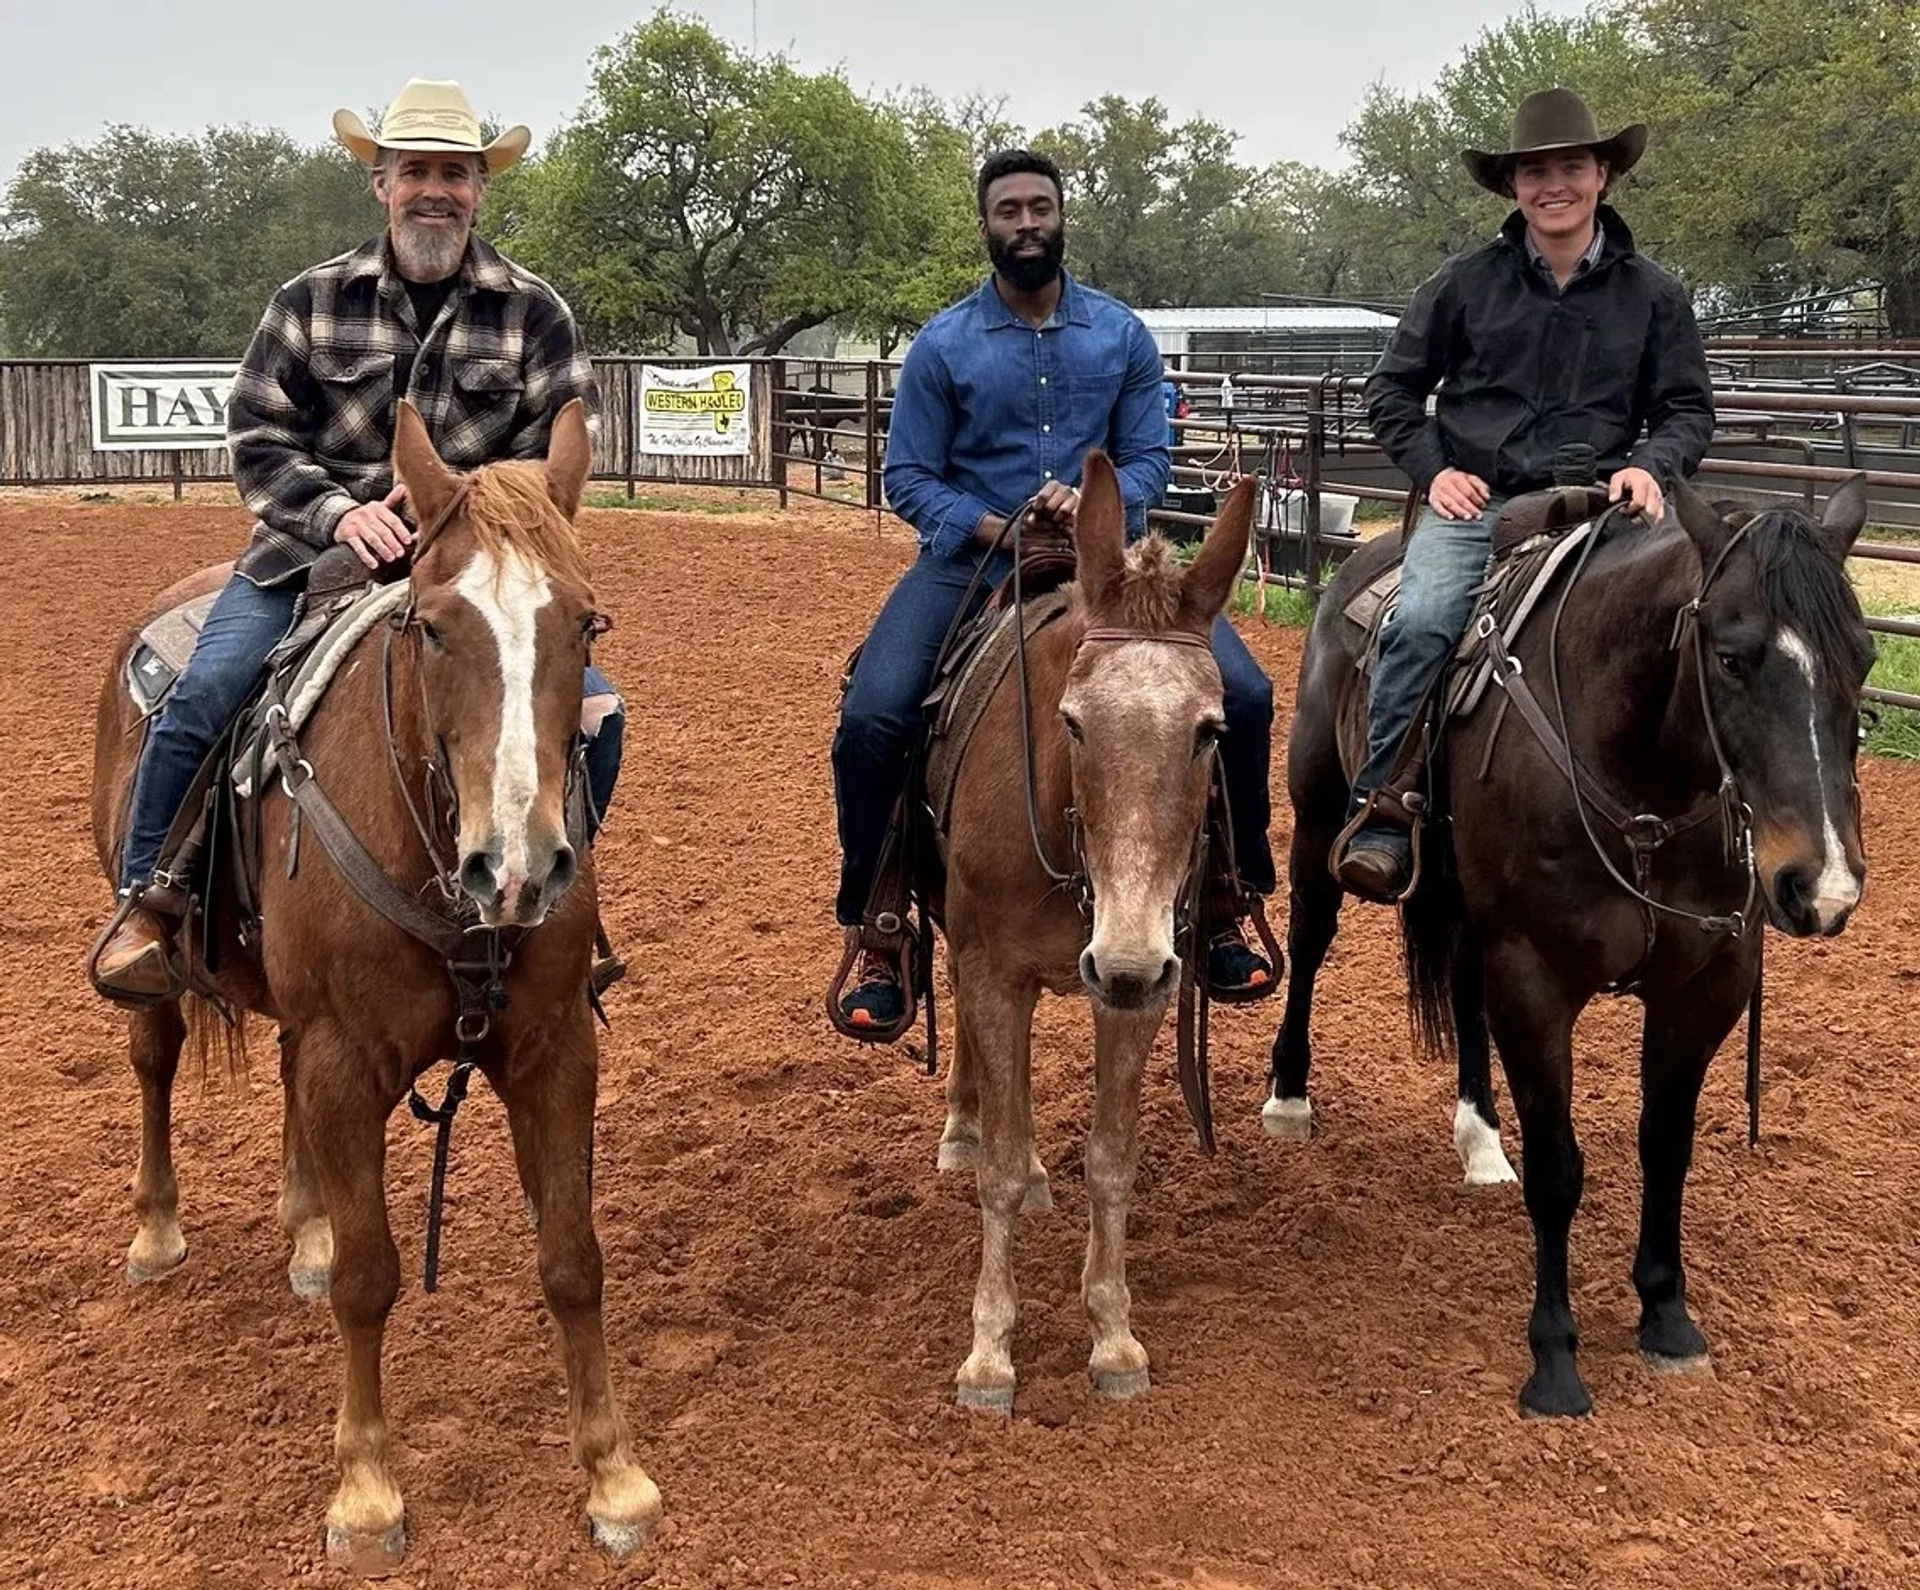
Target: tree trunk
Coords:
[(1902, 294)]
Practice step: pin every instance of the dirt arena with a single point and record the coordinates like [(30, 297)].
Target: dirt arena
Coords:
[(1337, 1329)]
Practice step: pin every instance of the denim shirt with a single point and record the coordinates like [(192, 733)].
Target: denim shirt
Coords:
[(988, 409)]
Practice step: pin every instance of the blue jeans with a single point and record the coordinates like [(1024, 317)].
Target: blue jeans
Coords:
[(246, 622), (1445, 560), (881, 721)]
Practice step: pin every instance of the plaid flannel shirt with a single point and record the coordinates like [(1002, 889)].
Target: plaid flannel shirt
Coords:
[(310, 421)]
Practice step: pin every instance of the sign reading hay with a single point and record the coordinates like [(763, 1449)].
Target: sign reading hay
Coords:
[(159, 407), (696, 412)]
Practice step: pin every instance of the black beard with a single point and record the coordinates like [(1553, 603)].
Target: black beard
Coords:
[(1028, 273)]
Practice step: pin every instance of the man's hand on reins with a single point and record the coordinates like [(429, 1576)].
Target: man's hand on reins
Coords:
[(1642, 492), (375, 531)]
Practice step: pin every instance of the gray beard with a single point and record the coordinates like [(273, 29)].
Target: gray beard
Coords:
[(425, 254)]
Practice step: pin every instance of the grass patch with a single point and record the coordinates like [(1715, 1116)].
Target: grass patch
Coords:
[(705, 500), (1894, 731)]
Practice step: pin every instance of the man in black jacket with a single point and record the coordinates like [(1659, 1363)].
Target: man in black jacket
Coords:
[(1555, 332)]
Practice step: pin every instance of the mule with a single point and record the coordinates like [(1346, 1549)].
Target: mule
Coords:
[(446, 734), (1706, 674), (1126, 709)]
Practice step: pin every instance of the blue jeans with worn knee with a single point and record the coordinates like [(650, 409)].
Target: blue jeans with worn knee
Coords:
[(881, 719), (1445, 560), (244, 624)]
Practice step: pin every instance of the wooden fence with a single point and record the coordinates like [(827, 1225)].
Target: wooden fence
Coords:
[(46, 436)]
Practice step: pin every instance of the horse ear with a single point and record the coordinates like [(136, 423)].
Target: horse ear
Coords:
[(1845, 516), (569, 458), (1701, 520), (1099, 528), (1217, 566), (429, 483)]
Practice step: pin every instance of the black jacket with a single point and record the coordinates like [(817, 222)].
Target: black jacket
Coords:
[(1527, 367)]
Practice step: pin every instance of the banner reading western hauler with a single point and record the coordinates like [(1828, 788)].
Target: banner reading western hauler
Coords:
[(695, 411)]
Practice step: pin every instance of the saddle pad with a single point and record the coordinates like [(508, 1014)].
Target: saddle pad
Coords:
[(160, 654), (315, 668), (962, 703), (1512, 590)]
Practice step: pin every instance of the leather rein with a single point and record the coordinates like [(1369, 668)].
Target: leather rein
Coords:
[(1644, 833)]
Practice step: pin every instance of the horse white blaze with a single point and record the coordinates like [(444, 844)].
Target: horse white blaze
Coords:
[(509, 593), (1836, 891)]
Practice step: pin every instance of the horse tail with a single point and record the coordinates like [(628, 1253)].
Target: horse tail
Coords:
[(1431, 924)]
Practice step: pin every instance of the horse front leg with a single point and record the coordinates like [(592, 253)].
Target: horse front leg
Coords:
[(997, 1021), (1681, 1032), (1121, 1040), (1532, 1021), (343, 1111), (550, 1105), (154, 1038), (303, 1212), (960, 1138)]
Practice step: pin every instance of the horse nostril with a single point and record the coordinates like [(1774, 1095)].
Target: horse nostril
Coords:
[(477, 876), (1170, 970), (565, 866), (1792, 887), (1089, 969)]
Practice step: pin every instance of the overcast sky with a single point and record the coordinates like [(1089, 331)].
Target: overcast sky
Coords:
[(1285, 74)]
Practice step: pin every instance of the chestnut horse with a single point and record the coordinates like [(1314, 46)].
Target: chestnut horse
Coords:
[(1126, 707), (478, 694), (1681, 757)]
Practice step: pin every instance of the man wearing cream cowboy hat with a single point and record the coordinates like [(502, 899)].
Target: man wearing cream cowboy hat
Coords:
[(485, 350)]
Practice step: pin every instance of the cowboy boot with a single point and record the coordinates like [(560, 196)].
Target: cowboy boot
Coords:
[(131, 962)]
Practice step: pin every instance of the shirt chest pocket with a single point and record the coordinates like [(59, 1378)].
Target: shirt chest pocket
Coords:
[(488, 383), (1095, 391), (355, 388)]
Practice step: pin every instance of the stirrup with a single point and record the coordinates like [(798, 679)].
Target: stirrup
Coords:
[(895, 944), (130, 901), (1251, 993), (1412, 807)]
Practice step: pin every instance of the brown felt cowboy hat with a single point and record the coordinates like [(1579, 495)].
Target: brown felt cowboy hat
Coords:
[(1555, 118), (429, 114)]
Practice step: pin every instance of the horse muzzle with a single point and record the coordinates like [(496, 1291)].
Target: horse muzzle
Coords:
[(517, 896)]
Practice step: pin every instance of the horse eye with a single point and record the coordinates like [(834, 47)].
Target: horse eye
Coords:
[(432, 634), (1206, 737), (1073, 727), (1734, 664)]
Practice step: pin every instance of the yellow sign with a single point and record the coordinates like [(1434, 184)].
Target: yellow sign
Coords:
[(695, 409)]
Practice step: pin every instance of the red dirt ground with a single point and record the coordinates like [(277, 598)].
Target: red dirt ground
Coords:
[(1338, 1330)]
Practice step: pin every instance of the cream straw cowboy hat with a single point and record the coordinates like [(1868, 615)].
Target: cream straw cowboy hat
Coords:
[(429, 114)]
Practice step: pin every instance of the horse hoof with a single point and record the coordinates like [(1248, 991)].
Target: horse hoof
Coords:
[(985, 1399), (1692, 1364), (1120, 1384), (309, 1285), (620, 1540), (1291, 1120), (150, 1261), (1478, 1145), (956, 1153), (1562, 1396), (369, 1555), (1039, 1196)]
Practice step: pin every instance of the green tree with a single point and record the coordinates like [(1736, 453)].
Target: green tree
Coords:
[(143, 246), (725, 196)]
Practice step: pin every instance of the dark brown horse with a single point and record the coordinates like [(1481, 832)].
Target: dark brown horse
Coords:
[(481, 685), (1706, 675)]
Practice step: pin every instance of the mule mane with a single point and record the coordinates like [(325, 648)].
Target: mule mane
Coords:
[(1807, 591), (507, 507), (1147, 595)]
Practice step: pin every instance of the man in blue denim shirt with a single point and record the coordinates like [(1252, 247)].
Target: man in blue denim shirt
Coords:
[(1000, 399)]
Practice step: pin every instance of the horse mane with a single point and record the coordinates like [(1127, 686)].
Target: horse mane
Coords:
[(507, 507), (1147, 597), (1806, 589)]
